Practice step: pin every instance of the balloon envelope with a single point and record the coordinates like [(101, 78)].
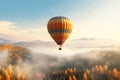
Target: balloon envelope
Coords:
[(59, 28)]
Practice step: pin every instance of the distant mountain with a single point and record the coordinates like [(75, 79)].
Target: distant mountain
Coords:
[(94, 43), (2, 41), (76, 43), (88, 39), (36, 43), (85, 39)]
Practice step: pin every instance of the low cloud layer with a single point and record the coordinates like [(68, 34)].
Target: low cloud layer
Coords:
[(43, 60)]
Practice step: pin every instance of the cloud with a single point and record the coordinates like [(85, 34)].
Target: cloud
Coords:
[(9, 30), (3, 57), (6, 27), (35, 34), (6, 23)]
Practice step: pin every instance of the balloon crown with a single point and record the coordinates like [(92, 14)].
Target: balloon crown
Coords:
[(59, 17)]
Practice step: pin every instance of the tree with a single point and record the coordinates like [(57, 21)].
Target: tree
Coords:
[(114, 73), (74, 77), (85, 76), (70, 77)]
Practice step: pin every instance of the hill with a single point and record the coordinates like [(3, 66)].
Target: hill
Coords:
[(12, 54)]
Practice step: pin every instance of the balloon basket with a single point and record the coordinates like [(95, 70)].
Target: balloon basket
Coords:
[(60, 48)]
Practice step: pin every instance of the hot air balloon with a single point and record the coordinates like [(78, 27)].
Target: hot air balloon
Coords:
[(59, 28)]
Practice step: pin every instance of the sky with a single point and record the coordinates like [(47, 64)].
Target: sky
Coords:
[(27, 19)]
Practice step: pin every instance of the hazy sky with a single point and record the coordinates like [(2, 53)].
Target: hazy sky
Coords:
[(27, 19)]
